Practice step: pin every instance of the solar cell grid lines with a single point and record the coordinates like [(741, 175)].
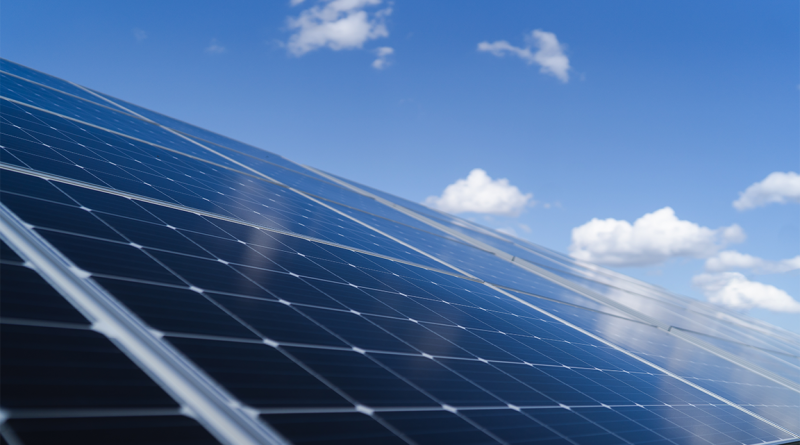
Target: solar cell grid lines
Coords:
[(165, 284)]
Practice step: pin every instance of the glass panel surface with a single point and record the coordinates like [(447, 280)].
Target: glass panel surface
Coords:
[(260, 288)]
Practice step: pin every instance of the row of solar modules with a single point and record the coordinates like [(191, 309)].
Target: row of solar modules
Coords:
[(330, 315)]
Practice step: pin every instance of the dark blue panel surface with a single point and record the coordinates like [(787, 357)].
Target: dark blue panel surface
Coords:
[(49, 368), (8, 255), (696, 365), (438, 427), (783, 364), (108, 160), (332, 428), (361, 378), (247, 154), (155, 430), (515, 334), (95, 256), (324, 343), (357, 330), (44, 79), (93, 114), (26, 295), (276, 321), (514, 427), (478, 263), (259, 375), (172, 309)]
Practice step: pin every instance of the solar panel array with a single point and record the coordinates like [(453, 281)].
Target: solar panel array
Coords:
[(165, 284)]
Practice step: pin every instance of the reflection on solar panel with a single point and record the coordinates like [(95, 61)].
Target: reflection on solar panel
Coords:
[(165, 284)]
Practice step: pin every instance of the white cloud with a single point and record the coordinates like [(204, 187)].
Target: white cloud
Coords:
[(336, 24), (731, 260), (777, 187), (735, 291), (382, 61), (139, 34), (215, 47), (550, 56), (651, 239), (295, 2), (479, 193)]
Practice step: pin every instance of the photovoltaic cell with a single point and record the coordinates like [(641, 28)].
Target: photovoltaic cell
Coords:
[(121, 430), (333, 428), (27, 296), (327, 330)]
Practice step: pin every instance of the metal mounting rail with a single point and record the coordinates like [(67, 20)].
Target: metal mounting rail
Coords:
[(229, 420)]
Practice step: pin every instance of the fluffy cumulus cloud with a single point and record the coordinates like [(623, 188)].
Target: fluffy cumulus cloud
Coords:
[(549, 53), (651, 239), (734, 290), (336, 24), (777, 187), (729, 260), (383, 57), (479, 193)]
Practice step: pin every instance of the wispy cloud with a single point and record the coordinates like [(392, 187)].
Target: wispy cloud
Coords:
[(383, 57), (550, 54), (338, 25), (730, 260), (777, 187), (139, 34), (651, 239), (215, 47), (479, 193), (734, 290)]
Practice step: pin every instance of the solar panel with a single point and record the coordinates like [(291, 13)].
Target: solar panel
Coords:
[(165, 284)]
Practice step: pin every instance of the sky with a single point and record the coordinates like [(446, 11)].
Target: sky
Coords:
[(659, 139)]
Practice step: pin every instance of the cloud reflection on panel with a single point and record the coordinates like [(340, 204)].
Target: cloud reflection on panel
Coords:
[(682, 359)]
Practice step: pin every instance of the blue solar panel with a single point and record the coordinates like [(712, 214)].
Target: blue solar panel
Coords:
[(183, 287)]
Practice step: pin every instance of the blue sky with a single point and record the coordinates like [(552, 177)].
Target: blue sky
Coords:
[(660, 104)]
